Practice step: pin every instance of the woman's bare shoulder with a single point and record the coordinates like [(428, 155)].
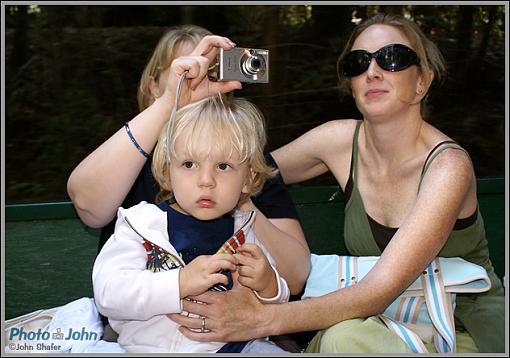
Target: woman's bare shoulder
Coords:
[(448, 158), (343, 125), (337, 133)]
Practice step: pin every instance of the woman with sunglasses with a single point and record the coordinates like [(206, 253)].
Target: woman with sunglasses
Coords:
[(410, 196)]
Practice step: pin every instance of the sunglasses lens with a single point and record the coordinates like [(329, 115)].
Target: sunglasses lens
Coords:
[(395, 58), (392, 58), (355, 63)]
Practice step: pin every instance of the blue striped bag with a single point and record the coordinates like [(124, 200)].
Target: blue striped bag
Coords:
[(424, 311)]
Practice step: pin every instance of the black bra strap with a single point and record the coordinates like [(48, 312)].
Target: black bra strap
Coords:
[(434, 152)]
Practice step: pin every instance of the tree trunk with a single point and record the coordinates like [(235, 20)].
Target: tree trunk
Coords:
[(187, 14), (464, 32), (477, 61), (277, 60), (20, 49)]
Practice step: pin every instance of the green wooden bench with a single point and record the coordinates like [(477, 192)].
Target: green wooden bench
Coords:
[(49, 253)]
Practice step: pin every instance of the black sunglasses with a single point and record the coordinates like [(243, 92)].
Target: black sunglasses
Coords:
[(394, 57)]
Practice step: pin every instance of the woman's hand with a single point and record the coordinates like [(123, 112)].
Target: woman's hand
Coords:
[(255, 271), (285, 240), (196, 66), (231, 316), (204, 272)]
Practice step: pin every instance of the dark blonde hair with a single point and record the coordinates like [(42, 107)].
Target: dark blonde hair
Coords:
[(224, 117), (428, 53), (163, 55)]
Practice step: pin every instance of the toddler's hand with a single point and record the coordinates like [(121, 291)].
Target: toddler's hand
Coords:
[(255, 271), (203, 272)]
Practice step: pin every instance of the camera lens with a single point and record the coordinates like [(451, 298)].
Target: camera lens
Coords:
[(255, 63)]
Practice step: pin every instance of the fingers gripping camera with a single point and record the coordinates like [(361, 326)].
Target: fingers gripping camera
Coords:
[(244, 65)]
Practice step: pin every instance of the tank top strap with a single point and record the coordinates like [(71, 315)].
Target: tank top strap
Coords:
[(435, 152), (354, 159)]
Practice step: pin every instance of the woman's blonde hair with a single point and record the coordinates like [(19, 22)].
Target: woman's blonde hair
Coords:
[(163, 55), (236, 119), (428, 53)]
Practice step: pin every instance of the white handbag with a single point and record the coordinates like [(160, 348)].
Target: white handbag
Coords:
[(424, 311)]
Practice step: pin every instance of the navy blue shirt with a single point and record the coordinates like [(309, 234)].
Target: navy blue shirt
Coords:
[(192, 237)]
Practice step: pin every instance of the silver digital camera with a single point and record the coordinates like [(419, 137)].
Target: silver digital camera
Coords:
[(244, 65)]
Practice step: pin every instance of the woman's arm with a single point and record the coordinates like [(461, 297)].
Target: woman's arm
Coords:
[(447, 188), (307, 156), (298, 161), (100, 183), (285, 240), (237, 315)]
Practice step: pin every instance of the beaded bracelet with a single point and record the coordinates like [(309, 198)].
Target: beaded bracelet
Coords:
[(134, 141)]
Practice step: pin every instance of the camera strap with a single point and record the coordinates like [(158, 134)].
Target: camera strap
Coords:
[(177, 95)]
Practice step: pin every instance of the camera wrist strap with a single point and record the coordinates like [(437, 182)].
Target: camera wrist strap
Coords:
[(177, 95)]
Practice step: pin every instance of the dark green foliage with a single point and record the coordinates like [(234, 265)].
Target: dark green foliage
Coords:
[(72, 73)]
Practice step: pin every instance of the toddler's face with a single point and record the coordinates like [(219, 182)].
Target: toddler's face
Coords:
[(207, 184)]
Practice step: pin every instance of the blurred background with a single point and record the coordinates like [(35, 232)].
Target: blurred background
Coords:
[(71, 76)]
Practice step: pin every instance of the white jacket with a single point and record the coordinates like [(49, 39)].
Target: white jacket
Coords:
[(135, 299)]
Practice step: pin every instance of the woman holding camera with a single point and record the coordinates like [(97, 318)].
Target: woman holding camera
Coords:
[(118, 172), (410, 197)]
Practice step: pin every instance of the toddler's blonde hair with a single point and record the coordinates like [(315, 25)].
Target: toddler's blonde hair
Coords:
[(235, 119)]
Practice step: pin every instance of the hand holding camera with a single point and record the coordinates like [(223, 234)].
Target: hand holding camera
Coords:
[(195, 67), (214, 66)]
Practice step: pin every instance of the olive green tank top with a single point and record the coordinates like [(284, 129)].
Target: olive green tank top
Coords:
[(485, 324)]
